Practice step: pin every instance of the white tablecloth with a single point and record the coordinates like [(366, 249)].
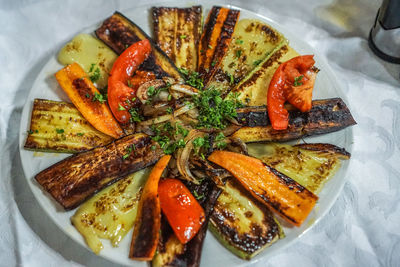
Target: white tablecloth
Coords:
[(361, 229)]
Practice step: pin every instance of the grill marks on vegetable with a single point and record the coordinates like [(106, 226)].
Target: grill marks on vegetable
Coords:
[(119, 32), (325, 116), (177, 32), (214, 42), (78, 177)]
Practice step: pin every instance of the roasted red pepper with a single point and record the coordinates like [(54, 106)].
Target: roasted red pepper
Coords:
[(183, 212), (120, 94), (293, 81)]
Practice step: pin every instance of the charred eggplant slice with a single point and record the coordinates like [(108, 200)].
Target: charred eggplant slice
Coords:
[(177, 33), (241, 223), (173, 253), (59, 127), (325, 116), (215, 39), (118, 32), (76, 178)]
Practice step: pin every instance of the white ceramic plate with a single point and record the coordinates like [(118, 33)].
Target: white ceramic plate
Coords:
[(46, 87)]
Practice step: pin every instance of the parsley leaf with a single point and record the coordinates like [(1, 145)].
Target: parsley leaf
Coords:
[(238, 53), (214, 111), (59, 131), (120, 107), (183, 36), (297, 80), (135, 115), (192, 78), (238, 41), (98, 97), (257, 62), (94, 73)]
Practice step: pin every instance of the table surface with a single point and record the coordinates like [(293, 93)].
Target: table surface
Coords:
[(361, 229)]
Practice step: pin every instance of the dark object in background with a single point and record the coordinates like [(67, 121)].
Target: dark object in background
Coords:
[(384, 38)]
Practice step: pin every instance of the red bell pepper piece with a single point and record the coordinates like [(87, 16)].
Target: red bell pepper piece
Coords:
[(293, 81), (183, 212), (119, 93)]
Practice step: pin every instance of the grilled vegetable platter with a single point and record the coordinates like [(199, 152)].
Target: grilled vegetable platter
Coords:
[(161, 126)]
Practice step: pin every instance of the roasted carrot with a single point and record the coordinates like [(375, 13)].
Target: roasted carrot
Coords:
[(88, 100), (279, 192), (148, 220), (183, 212), (214, 41)]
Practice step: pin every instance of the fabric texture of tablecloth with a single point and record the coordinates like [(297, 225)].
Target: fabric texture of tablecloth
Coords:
[(361, 229)]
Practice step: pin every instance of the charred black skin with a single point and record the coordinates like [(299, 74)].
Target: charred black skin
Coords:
[(247, 243), (325, 116), (118, 32), (78, 177)]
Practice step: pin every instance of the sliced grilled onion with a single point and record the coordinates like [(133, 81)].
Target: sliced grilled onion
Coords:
[(157, 120), (183, 156), (183, 110), (141, 92), (155, 110), (184, 89)]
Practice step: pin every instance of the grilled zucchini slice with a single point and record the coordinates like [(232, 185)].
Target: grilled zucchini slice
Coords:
[(241, 223), (311, 165), (60, 127), (325, 116), (253, 89), (177, 33), (76, 178), (110, 214), (252, 42), (215, 39), (92, 55), (118, 32)]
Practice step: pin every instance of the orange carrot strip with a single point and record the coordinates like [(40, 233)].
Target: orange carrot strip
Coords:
[(279, 192), (75, 83), (148, 221)]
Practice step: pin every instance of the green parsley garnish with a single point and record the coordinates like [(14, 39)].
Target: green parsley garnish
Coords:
[(129, 150), (120, 107), (238, 41), (192, 78), (169, 97), (213, 63), (183, 36), (59, 131), (135, 115), (129, 83), (30, 132), (169, 138), (219, 140), (214, 111), (209, 46), (80, 134), (231, 78), (87, 95), (98, 97), (257, 62), (297, 80), (151, 91), (94, 73), (197, 196), (170, 110), (238, 53)]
